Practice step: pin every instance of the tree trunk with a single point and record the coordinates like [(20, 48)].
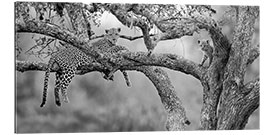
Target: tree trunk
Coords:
[(227, 102)]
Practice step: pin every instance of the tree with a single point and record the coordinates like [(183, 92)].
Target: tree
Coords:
[(227, 100)]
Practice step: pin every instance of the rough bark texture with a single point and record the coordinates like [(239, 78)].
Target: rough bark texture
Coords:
[(176, 119), (227, 102), (234, 102)]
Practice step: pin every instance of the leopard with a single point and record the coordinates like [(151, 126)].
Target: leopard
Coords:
[(68, 59), (108, 47), (118, 49), (207, 50)]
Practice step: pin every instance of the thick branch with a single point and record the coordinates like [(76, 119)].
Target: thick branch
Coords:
[(241, 107), (241, 47), (170, 61), (23, 66), (234, 104), (239, 54), (176, 119)]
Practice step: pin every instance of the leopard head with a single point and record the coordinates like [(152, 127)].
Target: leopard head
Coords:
[(203, 44), (112, 35)]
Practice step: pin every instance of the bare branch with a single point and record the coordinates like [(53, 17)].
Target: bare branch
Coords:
[(131, 38)]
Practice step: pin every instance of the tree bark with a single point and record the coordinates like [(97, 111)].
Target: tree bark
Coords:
[(237, 104)]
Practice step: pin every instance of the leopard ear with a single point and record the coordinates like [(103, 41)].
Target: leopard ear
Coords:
[(118, 29), (199, 41), (106, 31)]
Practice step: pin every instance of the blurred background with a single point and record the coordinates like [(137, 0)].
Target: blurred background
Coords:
[(97, 105)]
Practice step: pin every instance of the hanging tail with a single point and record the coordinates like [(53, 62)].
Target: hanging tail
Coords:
[(126, 78), (46, 81)]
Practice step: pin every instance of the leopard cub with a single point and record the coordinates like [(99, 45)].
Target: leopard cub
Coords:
[(207, 50)]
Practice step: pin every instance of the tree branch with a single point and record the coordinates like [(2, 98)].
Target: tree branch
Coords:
[(88, 25), (235, 107), (181, 26), (250, 86), (176, 114), (240, 53), (254, 53), (121, 14), (241, 107), (170, 61), (52, 30), (131, 38), (23, 66), (176, 119), (64, 35)]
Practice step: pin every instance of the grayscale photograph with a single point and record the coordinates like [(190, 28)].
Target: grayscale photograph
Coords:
[(133, 67)]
